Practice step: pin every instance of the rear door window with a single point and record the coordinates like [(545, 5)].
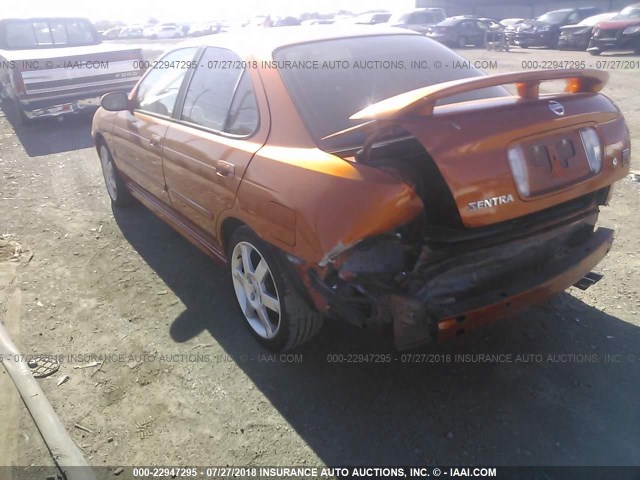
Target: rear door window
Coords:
[(219, 96), (243, 115)]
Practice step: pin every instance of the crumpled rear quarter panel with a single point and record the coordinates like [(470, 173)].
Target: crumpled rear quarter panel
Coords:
[(337, 203)]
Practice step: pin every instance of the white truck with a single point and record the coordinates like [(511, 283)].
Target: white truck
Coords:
[(58, 66)]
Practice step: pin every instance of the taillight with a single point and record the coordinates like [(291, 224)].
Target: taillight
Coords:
[(592, 147), (518, 164), (18, 82)]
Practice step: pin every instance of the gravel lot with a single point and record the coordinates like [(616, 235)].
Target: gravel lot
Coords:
[(103, 282)]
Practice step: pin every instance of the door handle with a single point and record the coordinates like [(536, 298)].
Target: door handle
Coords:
[(225, 169), (154, 141)]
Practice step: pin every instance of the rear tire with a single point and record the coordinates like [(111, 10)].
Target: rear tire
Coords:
[(462, 42), (595, 53), (117, 190), (274, 310)]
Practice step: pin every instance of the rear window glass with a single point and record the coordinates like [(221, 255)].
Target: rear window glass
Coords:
[(44, 33), (370, 69)]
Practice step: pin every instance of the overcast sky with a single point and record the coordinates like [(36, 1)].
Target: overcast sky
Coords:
[(138, 11)]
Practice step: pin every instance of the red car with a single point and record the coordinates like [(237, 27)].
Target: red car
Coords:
[(620, 33)]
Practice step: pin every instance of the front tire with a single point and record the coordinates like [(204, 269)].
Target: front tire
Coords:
[(117, 190), (273, 308)]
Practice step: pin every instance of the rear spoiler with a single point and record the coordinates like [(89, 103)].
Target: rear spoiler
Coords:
[(422, 101)]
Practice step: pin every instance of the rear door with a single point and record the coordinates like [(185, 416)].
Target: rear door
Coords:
[(219, 129), (137, 145)]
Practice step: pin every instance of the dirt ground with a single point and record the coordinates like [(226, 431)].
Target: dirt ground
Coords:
[(186, 385)]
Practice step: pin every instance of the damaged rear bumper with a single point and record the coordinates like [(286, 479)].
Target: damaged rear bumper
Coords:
[(467, 290), (529, 289)]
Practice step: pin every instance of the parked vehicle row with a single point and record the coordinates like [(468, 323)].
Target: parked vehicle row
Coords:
[(544, 31), (164, 30), (584, 28), (576, 37), (620, 33)]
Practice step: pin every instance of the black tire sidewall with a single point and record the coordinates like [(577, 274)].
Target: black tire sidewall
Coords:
[(245, 234), (123, 197)]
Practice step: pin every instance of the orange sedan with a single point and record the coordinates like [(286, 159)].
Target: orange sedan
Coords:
[(369, 176)]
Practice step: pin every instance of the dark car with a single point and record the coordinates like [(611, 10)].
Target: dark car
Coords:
[(544, 31), (459, 31), (576, 37), (418, 20), (620, 33)]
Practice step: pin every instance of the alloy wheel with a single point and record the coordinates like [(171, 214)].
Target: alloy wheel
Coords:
[(256, 290)]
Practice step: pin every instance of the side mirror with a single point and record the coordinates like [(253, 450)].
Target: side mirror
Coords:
[(115, 101)]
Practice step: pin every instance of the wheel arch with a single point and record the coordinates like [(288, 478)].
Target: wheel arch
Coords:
[(229, 225), (99, 140)]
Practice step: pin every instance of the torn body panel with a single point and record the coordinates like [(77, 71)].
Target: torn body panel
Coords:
[(338, 203), (438, 290)]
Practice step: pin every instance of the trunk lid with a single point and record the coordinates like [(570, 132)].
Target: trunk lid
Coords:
[(470, 142)]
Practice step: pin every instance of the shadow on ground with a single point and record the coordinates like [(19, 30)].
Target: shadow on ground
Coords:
[(578, 409), (46, 136)]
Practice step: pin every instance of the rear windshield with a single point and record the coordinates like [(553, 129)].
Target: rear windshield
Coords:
[(353, 73), (46, 33)]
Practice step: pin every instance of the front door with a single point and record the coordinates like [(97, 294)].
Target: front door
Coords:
[(138, 136)]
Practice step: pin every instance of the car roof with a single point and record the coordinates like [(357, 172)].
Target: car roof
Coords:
[(261, 42)]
